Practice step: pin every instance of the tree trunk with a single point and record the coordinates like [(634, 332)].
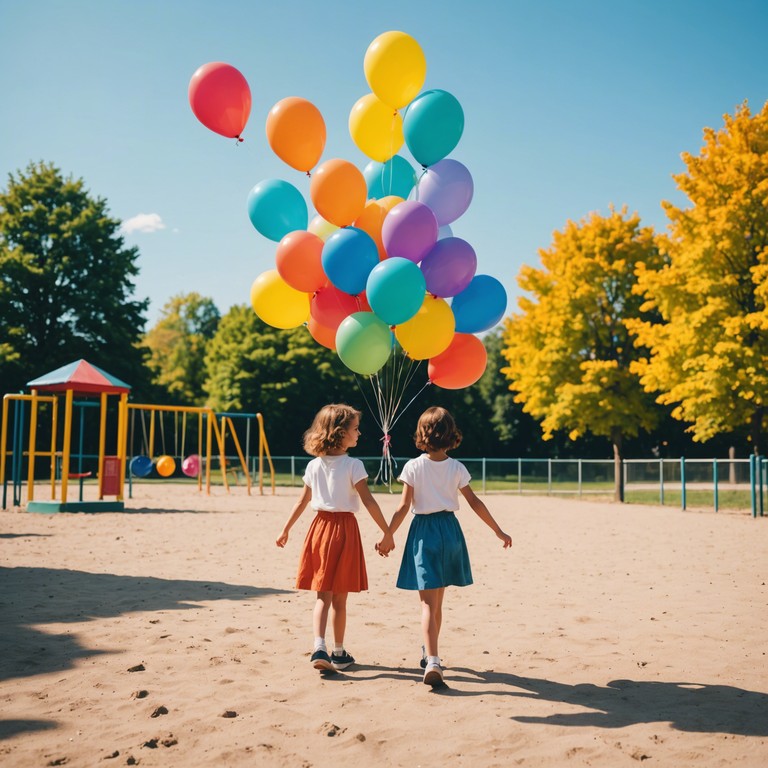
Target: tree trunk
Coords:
[(756, 430), (618, 473)]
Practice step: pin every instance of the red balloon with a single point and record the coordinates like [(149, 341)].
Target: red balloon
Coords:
[(329, 306), (461, 365), (220, 98)]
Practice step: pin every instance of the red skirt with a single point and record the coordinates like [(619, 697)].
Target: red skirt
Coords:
[(332, 557)]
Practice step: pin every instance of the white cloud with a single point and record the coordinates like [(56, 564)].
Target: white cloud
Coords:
[(142, 222)]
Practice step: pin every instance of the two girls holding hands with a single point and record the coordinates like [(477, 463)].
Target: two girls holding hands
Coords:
[(435, 554)]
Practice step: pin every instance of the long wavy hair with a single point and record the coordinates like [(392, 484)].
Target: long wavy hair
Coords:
[(328, 428)]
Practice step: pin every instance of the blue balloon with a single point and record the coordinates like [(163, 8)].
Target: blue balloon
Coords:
[(395, 290), (276, 208), (395, 177), (349, 255), (480, 305), (432, 126)]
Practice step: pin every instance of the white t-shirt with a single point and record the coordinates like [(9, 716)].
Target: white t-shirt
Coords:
[(435, 483), (332, 480)]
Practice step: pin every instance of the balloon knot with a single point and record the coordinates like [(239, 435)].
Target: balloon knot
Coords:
[(309, 175)]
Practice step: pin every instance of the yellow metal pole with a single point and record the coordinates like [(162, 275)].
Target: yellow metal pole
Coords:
[(122, 440), (65, 448), (199, 451), (54, 417), (32, 446), (265, 443), (4, 438), (102, 441), (151, 433), (208, 447), (222, 456), (240, 454)]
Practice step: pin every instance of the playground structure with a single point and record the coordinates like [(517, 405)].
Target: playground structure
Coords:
[(24, 414)]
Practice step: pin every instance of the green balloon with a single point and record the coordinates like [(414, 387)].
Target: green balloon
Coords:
[(363, 342)]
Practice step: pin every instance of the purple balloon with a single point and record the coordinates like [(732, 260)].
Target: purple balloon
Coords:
[(449, 267), (447, 188), (409, 231)]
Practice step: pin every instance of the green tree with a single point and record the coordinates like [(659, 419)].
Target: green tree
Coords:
[(66, 281), (177, 345), (568, 351), (284, 375), (709, 343)]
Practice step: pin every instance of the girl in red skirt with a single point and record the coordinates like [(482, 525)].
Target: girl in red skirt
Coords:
[(332, 561)]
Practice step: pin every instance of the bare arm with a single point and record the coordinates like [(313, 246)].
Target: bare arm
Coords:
[(296, 512), (403, 508), (386, 545), (479, 508)]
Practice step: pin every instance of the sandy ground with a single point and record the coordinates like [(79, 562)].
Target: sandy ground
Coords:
[(171, 635)]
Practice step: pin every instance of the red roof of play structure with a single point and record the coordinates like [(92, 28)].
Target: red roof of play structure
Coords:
[(81, 377)]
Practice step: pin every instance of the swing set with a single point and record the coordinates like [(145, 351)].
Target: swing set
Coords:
[(209, 426)]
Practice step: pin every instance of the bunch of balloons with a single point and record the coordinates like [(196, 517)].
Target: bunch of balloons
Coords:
[(377, 268)]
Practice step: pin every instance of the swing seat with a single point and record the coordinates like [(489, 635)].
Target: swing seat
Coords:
[(141, 466)]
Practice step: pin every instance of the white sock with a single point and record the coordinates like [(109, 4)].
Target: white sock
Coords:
[(338, 648), (433, 660), (320, 644)]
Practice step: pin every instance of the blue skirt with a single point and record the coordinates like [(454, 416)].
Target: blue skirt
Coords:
[(435, 554)]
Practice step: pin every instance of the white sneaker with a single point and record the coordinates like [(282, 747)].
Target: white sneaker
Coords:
[(433, 675)]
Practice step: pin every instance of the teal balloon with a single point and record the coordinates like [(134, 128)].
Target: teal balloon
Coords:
[(363, 342), (395, 177), (432, 126), (276, 208), (395, 290)]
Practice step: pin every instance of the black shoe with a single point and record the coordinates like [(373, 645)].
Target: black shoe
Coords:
[(423, 662), (321, 660), (341, 660)]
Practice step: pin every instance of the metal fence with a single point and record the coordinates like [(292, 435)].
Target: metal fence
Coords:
[(712, 483)]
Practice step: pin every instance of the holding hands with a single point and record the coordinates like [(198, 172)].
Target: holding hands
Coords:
[(386, 545)]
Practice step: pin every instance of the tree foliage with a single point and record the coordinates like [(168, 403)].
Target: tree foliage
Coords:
[(284, 375), (568, 351), (709, 346), (177, 346), (66, 281)]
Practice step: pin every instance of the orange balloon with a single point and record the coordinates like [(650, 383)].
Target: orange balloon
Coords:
[(338, 191), (299, 261), (461, 365), (372, 219), (165, 466), (296, 132), (322, 334)]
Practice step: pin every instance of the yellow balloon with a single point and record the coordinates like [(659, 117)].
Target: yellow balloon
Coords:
[(322, 228), (276, 303), (430, 331), (376, 128), (395, 68)]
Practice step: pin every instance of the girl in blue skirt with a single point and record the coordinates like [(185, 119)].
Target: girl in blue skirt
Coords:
[(435, 554)]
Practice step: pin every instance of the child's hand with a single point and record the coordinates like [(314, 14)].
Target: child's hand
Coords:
[(282, 540), (506, 538), (386, 545)]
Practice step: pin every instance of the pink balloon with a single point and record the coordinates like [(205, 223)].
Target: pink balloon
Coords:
[(447, 188), (409, 231), (220, 98)]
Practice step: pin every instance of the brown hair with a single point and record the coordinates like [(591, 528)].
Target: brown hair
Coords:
[(436, 431), (328, 428)]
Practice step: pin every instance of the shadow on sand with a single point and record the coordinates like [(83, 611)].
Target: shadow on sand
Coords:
[(686, 706)]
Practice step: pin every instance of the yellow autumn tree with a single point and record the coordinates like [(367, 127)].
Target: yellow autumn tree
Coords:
[(568, 349), (709, 345)]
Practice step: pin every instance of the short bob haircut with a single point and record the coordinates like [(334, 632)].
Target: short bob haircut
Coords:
[(328, 428), (436, 431)]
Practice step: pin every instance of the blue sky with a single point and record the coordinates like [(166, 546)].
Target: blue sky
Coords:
[(570, 105)]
